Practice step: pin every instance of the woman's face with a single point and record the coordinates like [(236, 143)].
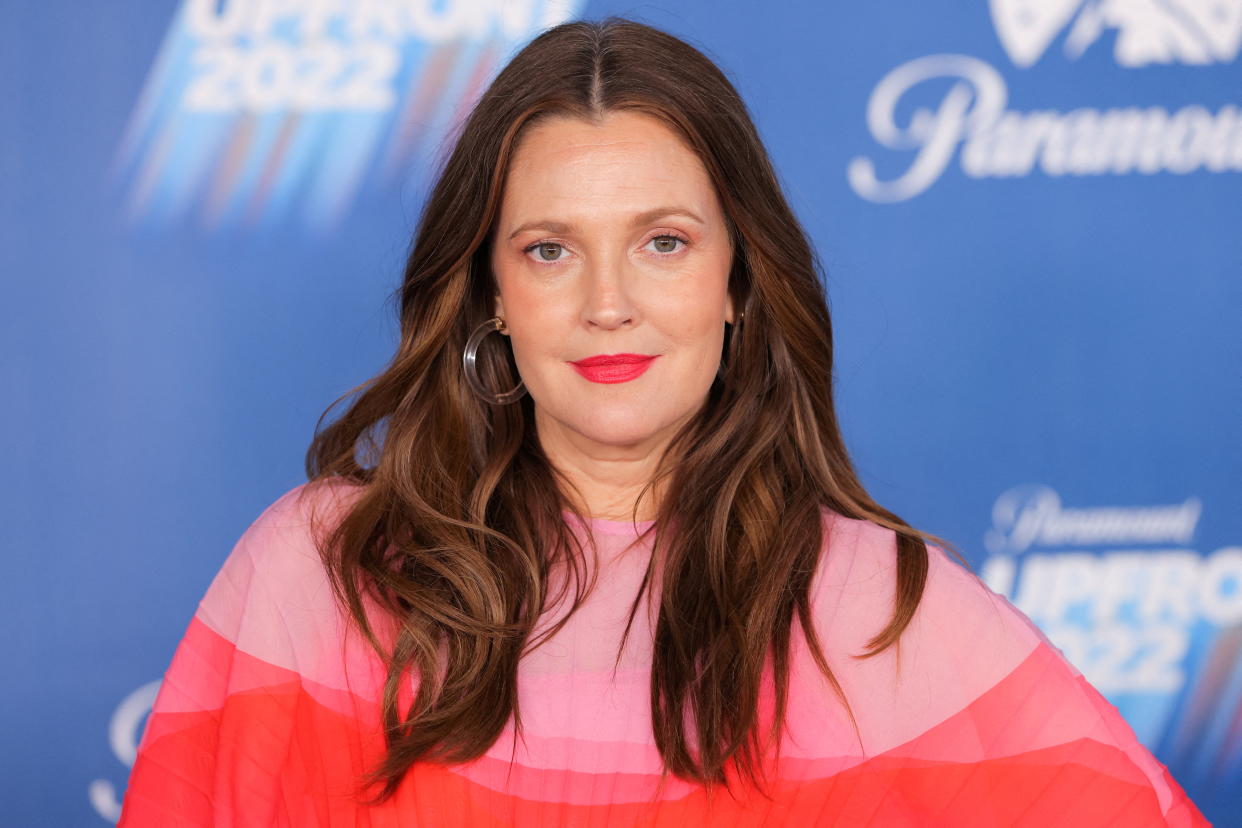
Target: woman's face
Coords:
[(611, 241)]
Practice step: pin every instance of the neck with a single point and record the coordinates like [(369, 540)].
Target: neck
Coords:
[(606, 478)]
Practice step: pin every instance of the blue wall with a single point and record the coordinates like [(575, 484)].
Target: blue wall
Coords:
[(1029, 218)]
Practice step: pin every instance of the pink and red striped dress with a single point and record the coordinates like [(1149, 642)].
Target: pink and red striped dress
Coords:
[(269, 712)]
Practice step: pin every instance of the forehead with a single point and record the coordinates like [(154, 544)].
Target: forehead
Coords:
[(628, 162)]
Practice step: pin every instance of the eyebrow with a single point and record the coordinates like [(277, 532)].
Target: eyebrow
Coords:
[(645, 217)]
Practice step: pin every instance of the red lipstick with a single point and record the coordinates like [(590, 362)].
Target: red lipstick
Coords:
[(613, 367)]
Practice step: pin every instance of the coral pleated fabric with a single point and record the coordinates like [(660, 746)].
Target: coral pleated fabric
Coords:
[(269, 712)]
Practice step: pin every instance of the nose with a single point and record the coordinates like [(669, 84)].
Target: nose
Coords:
[(608, 301)]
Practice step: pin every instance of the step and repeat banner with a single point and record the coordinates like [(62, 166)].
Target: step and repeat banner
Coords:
[(1029, 214)]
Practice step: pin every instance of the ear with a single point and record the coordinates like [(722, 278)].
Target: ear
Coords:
[(729, 307)]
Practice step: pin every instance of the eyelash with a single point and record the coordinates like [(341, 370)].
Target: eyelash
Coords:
[(684, 243)]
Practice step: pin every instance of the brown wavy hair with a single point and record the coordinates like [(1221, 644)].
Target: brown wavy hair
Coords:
[(459, 523)]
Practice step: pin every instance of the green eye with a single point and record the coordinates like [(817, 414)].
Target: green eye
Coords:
[(543, 248), (669, 242)]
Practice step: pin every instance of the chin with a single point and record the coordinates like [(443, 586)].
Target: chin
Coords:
[(624, 425)]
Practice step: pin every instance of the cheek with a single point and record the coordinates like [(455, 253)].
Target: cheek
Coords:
[(538, 333), (530, 314), (691, 318)]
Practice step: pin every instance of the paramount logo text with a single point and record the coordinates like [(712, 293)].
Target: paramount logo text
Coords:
[(1032, 515), (996, 142), (1126, 617)]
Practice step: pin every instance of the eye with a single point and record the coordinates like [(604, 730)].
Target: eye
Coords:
[(665, 242), (544, 247)]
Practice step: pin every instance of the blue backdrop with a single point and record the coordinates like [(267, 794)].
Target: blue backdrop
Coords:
[(1029, 212)]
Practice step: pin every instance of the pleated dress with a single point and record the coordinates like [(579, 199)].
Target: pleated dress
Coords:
[(269, 712)]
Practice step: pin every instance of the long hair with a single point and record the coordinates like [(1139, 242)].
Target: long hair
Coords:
[(459, 524)]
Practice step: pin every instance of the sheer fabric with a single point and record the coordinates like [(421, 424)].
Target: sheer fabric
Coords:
[(269, 712)]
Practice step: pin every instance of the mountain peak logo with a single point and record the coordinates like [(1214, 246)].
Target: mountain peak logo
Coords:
[(1197, 32)]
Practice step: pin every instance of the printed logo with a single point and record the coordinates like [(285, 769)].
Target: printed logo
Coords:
[(1027, 516), (1152, 621), (1147, 31), (259, 111), (971, 121), (124, 736)]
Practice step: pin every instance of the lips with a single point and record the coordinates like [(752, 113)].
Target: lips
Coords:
[(610, 368)]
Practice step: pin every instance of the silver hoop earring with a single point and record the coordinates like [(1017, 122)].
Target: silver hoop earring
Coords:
[(470, 368)]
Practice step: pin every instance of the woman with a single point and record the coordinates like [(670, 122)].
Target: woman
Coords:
[(591, 550)]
